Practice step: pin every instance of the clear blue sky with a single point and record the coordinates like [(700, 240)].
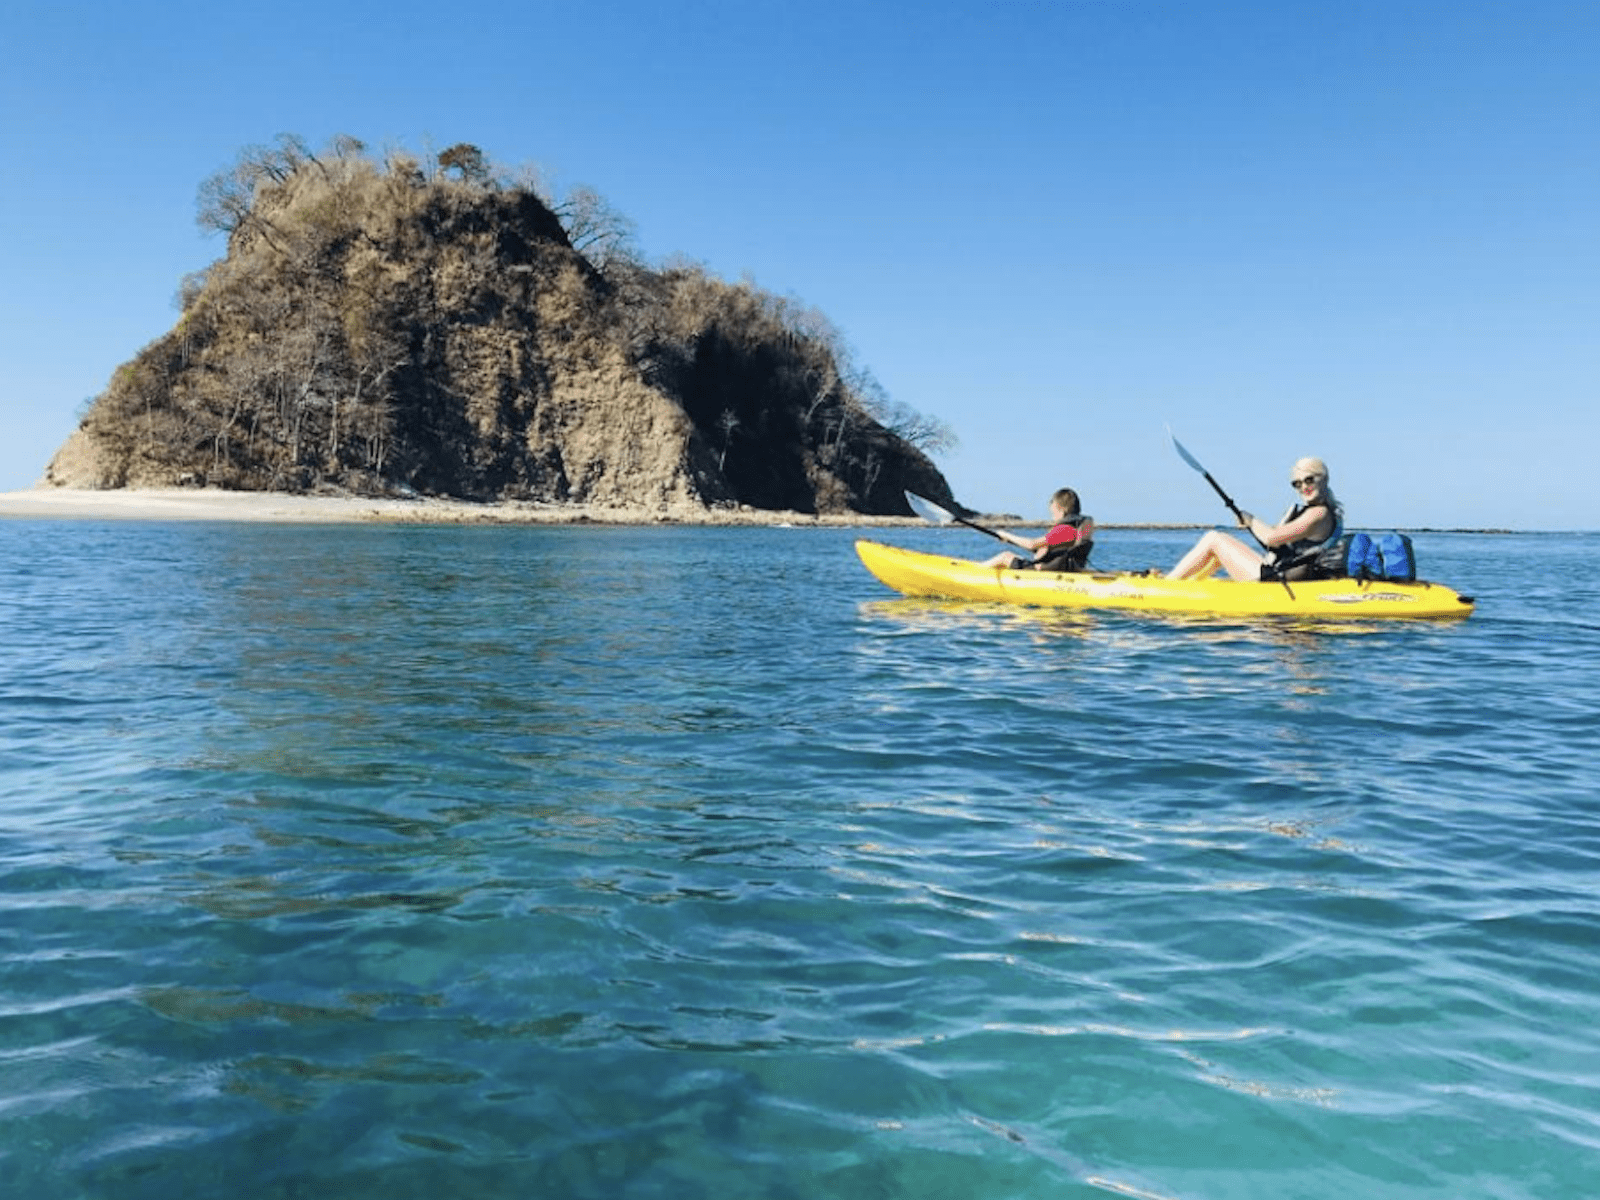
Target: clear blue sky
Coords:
[(1365, 229)]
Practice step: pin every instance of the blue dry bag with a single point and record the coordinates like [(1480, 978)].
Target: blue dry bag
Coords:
[(1396, 560), (1368, 556)]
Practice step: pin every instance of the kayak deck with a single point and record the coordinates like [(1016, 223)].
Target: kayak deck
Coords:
[(913, 573)]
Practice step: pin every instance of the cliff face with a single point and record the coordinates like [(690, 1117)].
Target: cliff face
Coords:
[(372, 329)]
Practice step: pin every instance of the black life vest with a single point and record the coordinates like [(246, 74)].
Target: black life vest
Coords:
[(1299, 556), (1068, 556)]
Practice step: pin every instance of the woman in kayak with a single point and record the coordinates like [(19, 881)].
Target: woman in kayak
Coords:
[(1065, 545), (1314, 521)]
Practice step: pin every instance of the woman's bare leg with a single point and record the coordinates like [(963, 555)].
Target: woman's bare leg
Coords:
[(1215, 550)]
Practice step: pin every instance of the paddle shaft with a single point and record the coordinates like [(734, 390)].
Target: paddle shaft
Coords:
[(1238, 514), (939, 515), (1215, 486), (994, 533), (1226, 499)]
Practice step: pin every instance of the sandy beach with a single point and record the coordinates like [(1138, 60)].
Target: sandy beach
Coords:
[(210, 504)]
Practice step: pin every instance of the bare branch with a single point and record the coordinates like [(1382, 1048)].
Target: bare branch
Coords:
[(596, 230)]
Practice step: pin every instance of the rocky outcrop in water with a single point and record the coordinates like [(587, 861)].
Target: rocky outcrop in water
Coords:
[(384, 326)]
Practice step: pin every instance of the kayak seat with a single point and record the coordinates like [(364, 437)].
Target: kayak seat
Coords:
[(1073, 557)]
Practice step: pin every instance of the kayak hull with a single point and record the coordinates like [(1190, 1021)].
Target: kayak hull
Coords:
[(913, 573)]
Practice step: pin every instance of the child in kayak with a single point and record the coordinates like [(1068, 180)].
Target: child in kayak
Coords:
[(1065, 545), (1316, 520)]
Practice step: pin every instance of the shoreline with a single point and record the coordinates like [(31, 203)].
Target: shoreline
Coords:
[(215, 504)]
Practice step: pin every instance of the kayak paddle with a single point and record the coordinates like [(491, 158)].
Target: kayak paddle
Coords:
[(929, 511), (1226, 499)]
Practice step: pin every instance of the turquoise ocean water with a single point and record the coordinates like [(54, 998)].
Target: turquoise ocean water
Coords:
[(395, 862)]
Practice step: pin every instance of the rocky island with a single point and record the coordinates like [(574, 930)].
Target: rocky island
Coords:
[(395, 328)]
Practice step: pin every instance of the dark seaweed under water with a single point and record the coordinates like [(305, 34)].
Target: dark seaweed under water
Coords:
[(390, 862)]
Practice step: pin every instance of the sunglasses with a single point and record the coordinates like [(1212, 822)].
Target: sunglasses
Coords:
[(1309, 479)]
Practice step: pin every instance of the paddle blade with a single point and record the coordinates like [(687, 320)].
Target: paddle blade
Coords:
[(928, 510), (1184, 454), (1215, 486)]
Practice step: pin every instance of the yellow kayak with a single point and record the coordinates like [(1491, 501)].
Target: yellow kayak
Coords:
[(916, 574)]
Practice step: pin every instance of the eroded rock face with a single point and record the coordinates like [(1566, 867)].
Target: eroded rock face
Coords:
[(372, 331), (80, 463)]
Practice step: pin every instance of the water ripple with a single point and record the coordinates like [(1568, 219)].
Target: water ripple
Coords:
[(391, 862)]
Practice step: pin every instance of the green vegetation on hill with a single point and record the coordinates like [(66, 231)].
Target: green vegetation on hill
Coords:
[(395, 323)]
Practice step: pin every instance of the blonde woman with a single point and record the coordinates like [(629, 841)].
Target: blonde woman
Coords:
[(1314, 521)]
